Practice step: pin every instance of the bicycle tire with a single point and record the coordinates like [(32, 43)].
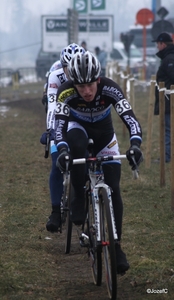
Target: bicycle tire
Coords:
[(109, 252), (68, 222), (95, 250)]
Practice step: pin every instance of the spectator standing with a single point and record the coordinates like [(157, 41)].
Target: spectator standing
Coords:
[(102, 56), (165, 74), (84, 45)]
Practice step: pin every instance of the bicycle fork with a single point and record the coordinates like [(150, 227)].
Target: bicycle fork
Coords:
[(97, 210), (96, 227)]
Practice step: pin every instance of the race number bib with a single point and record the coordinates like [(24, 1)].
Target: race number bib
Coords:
[(62, 109), (122, 106)]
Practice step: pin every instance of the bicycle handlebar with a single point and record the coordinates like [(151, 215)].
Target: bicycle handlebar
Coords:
[(78, 161), (107, 158)]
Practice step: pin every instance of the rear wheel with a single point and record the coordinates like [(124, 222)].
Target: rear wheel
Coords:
[(95, 250), (108, 243)]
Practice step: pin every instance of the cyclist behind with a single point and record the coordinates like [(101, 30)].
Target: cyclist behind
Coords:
[(83, 111), (55, 80), (55, 66)]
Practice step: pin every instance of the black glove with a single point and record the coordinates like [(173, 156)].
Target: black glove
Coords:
[(43, 138), (134, 156), (44, 99), (64, 160)]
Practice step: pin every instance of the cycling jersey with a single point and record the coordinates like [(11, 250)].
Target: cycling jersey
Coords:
[(95, 114), (55, 80)]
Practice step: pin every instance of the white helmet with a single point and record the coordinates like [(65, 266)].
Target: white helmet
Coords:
[(56, 66), (84, 68), (68, 52)]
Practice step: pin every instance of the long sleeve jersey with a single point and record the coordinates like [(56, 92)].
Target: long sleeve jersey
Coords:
[(55, 80), (95, 114)]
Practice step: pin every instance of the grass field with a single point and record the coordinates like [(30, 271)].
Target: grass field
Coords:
[(32, 263)]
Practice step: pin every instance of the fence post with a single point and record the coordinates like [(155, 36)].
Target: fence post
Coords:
[(150, 121), (118, 75), (172, 143), (15, 80), (132, 92), (114, 77), (162, 132), (107, 69), (125, 94)]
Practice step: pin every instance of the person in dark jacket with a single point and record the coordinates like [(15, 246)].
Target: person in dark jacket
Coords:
[(165, 74), (102, 56)]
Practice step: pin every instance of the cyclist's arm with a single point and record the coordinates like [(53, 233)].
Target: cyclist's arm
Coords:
[(125, 112), (62, 116), (127, 115), (55, 79)]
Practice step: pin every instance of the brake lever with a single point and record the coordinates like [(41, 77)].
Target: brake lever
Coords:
[(135, 170), (67, 165), (47, 146)]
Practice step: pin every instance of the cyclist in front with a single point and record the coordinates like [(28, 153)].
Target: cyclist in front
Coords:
[(84, 110)]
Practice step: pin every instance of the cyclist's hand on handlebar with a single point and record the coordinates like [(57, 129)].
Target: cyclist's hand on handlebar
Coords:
[(44, 99), (134, 156), (43, 138), (64, 160)]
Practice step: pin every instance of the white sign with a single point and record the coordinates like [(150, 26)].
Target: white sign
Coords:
[(95, 30)]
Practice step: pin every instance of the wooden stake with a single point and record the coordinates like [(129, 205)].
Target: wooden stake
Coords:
[(162, 132), (150, 122), (172, 144)]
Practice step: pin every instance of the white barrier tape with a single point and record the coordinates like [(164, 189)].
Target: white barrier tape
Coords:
[(124, 76), (142, 83), (162, 89), (117, 73), (166, 91)]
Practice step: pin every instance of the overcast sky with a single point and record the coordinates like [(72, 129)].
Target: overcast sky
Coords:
[(16, 12), (122, 9)]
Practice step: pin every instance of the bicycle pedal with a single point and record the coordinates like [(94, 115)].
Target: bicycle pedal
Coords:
[(83, 244), (84, 240), (59, 229), (65, 209)]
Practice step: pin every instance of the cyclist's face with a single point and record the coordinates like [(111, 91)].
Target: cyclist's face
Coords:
[(87, 90)]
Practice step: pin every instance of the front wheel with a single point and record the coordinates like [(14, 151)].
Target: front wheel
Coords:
[(108, 243), (95, 250), (68, 222)]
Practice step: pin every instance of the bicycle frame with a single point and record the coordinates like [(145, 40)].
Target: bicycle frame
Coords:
[(95, 200), (97, 182), (99, 232)]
